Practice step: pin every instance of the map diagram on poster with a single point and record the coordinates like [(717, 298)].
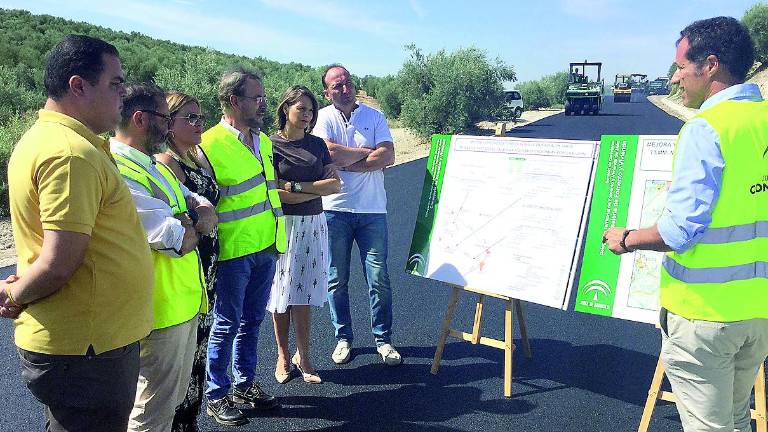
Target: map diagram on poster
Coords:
[(634, 174), (504, 215)]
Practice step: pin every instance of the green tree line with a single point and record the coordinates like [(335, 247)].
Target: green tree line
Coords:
[(546, 92), (25, 40), (444, 92)]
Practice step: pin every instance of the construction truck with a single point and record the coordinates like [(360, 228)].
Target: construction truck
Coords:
[(639, 83), (622, 89), (659, 86), (584, 95)]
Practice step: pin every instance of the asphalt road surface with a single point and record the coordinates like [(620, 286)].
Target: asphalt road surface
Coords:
[(588, 373)]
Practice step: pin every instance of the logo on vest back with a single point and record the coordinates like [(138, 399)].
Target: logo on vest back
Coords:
[(760, 186)]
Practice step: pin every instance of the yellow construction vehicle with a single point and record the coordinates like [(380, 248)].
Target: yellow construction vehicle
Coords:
[(622, 89)]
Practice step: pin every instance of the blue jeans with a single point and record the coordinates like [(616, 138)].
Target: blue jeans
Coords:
[(369, 230), (242, 291)]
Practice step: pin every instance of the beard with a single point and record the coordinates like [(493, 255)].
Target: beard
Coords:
[(156, 140), (255, 122)]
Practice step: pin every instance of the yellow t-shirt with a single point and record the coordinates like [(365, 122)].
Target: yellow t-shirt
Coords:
[(61, 176)]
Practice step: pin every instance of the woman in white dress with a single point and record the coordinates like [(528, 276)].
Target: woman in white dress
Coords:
[(304, 173)]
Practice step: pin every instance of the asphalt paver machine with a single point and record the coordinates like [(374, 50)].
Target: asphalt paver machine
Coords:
[(584, 94)]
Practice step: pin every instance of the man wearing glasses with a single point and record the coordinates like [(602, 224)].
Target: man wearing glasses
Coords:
[(251, 233), (172, 217)]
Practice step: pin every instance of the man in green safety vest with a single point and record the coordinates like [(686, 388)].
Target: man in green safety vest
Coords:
[(172, 217), (714, 278), (251, 233)]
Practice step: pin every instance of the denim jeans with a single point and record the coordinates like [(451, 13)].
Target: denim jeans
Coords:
[(369, 230), (242, 291)]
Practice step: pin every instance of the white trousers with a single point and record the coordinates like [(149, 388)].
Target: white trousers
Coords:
[(712, 368), (165, 367)]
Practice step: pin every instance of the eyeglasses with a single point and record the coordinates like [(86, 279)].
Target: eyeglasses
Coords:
[(167, 118), (257, 99), (193, 119)]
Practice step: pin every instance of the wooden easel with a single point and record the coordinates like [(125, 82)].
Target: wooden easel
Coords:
[(655, 393), (507, 345)]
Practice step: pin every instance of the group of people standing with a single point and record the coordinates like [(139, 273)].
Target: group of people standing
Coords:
[(147, 261), (152, 257)]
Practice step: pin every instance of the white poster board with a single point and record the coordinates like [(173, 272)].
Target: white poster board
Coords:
[(504, 215)]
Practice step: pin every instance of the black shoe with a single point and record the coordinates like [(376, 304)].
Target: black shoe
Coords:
[(225, 413), (254, 396)]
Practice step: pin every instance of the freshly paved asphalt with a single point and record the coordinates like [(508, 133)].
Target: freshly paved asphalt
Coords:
[(588, 373)]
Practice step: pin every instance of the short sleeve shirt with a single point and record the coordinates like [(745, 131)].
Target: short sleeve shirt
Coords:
[(302, 161), (62, 178), (361, 192)]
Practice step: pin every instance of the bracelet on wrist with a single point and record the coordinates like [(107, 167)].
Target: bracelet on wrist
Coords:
[(623, 243), (10, 297)]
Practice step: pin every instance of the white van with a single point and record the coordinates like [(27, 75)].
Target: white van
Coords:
[(513, 101)]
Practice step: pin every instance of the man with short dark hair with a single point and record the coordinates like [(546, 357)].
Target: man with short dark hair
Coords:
[(172, 217), (84, 297), (714, 287), (251, 233), (360, 144)]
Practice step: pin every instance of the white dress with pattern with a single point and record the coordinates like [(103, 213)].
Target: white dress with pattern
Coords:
[(301, 276)]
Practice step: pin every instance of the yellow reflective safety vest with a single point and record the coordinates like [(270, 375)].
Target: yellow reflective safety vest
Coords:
[(179, 282), (724, 276), (250, 214)]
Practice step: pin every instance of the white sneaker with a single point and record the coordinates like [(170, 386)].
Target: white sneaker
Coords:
[(342, 352), (390, 355)]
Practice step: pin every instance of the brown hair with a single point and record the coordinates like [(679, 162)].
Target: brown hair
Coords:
[(176, 100), (291, 96), (328, 69)]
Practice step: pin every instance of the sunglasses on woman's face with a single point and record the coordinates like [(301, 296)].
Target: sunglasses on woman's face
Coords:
[(194, 119)]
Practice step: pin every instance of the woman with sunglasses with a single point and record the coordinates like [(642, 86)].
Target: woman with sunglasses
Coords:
[(193, 170), (305, 173)]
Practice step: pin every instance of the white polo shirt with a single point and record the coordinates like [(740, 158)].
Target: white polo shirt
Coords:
[(361, 192)]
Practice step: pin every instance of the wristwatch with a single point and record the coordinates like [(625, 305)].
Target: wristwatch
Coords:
[(193, 216), (295, 186)]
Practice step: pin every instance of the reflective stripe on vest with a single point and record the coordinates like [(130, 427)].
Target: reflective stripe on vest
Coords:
[(736, 233), (724, 276), (715, 274), (255, 209), (248, 190), (179, 292), (155, 187)]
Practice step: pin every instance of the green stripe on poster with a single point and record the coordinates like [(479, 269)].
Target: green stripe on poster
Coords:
[(610, 204), (430, 199)]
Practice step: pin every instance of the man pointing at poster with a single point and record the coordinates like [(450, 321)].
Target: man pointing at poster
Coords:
[(714, 278)]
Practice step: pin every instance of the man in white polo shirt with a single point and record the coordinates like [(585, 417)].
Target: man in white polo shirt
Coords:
[(360, 144)]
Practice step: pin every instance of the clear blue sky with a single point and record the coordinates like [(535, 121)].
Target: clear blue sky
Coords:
[(536, 37)]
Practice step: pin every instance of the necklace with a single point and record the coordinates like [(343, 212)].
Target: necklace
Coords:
[(285, 136)]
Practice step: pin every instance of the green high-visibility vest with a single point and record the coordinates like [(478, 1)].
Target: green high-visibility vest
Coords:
[(179, 292), (250, 214), (724, 276)]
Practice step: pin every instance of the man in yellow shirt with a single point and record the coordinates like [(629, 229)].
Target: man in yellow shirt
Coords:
[(84, 296)]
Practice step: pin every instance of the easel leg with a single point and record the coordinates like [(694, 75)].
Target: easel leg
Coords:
[(523, 329), (478, 319), (760, 410), (445, 330), (509, 348), (653, 396)]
